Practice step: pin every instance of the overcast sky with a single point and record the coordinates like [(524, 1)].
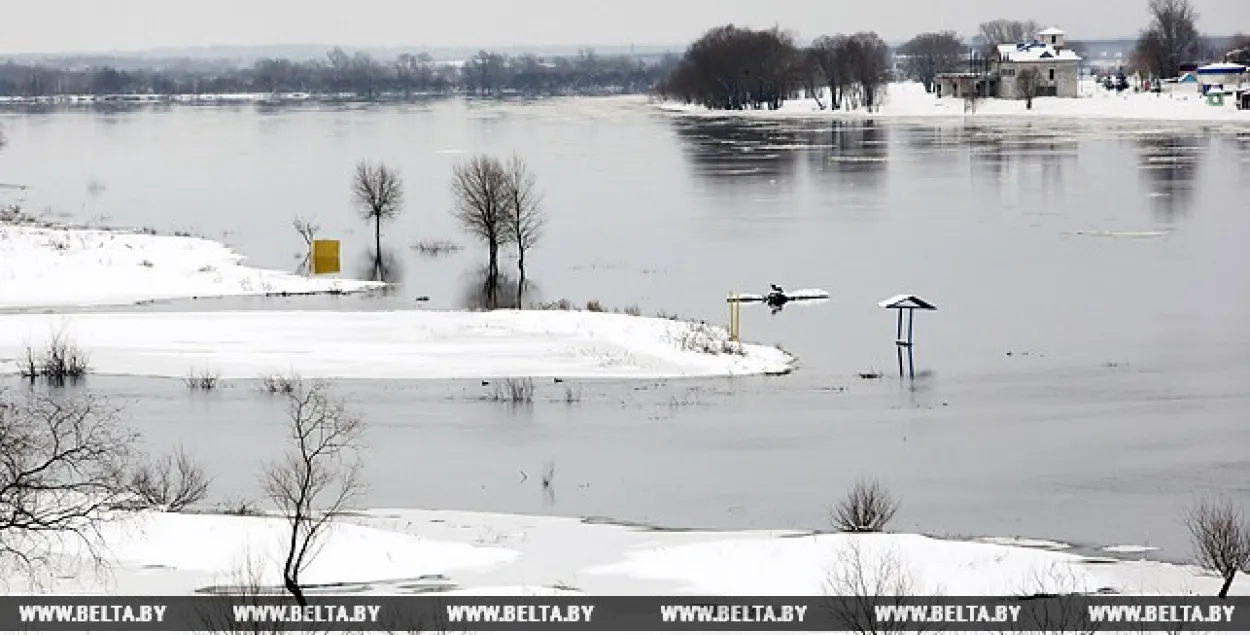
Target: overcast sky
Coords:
[(56, 26)]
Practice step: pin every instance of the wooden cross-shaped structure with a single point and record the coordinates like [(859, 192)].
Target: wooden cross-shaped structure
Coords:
[(909, 304)]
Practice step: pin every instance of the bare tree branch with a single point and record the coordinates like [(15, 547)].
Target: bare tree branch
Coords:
[(524, 218), (317, 479), (63, 465), (481, 195), (1221, 538), (379, 194)]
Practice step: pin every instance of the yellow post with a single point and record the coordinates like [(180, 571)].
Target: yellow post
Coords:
[(325, 256), (734, 316)]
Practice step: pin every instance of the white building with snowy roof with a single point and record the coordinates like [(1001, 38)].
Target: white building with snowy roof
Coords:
[(1057, 66)]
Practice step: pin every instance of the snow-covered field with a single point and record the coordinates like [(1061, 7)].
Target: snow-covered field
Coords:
[(57, 267), (392, 344), (909, 100), (398, 551)]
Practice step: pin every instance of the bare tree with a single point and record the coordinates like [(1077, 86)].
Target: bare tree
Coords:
[(524, 218), (479, 187), (858, 582), (317, 479), (1028, 83), (307, 230), (828, 53), (867, 64), (173, 482), (1001, 31), (379, 194), (1171, 39), (1221, 538), (868, 507), (63, 463), (928, 54)]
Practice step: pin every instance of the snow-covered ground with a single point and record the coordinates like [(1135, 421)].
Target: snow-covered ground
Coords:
[(909, 100), (396, 551), (392, 344), (56, 267)]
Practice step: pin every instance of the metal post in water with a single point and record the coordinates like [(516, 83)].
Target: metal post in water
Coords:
[(911, 358)]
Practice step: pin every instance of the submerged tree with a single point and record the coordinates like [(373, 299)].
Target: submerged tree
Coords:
[(379, 194), (480, 191), (524, 218)]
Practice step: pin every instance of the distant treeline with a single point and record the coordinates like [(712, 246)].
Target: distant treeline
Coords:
[(359, 75)]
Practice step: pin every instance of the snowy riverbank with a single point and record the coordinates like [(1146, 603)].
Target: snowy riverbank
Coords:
[(909, 100), (393, 344), (400, 551), (43, 266)]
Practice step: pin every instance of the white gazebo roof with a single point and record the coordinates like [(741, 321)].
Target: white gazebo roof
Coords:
[(906, 301), (1054, 30)]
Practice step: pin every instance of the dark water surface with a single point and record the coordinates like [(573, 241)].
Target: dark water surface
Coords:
[(1078, 384)]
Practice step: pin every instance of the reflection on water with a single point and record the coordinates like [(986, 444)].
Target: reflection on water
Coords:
[(481, 292), (726, 152), (384, 267), (1169, 167), (855, 153)]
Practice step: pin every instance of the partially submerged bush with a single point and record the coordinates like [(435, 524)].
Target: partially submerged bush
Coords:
[(868, 507), (172, 483), (513, 391), (279, 384), (57, 361), (435, 248), (203, 379)]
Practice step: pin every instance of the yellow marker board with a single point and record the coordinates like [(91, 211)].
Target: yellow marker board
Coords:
[(325, 256)]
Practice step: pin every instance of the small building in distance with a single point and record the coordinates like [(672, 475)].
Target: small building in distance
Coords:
[(1056, 65)]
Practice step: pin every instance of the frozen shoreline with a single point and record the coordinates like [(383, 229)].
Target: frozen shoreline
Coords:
[(379, 552), (908, 100), (51, 266), (410, 344)]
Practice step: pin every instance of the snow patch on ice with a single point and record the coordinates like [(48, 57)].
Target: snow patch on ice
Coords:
[(56, 267), (395, 344)]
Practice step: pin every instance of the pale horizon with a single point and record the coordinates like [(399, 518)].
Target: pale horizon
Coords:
[(64, 27)]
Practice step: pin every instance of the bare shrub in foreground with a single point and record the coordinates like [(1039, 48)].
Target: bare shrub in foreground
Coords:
[(858, 582), (317, 479), (868, 507), (246, 587), (1052, 602), (1221, 538), (172, 483), (63, 465)]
